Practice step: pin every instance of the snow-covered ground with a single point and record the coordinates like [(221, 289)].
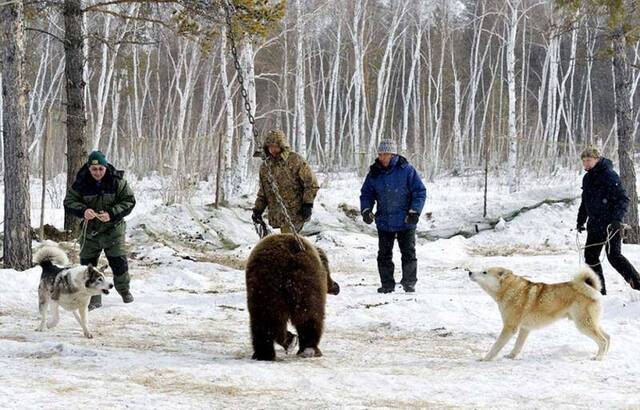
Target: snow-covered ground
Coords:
[(185, 341)]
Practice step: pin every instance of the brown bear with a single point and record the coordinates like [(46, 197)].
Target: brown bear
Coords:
[(286, 283)]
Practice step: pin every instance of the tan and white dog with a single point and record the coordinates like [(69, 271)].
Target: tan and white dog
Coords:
[(526, 305), (68, 286)]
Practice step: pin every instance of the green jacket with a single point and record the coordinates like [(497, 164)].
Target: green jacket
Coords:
[(297, 184), (112, 194)]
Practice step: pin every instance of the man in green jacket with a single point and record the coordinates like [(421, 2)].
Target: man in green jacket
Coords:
[(297, 185), (102, 198)]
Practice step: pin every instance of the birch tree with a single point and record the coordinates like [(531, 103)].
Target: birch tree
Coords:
[(512, 31), (300, 130)]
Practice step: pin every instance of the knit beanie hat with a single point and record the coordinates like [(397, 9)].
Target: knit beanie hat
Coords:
[(97, 158), (387, 146), (591, 151)]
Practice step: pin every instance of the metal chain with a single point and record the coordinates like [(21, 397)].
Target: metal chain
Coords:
[(247, 106)]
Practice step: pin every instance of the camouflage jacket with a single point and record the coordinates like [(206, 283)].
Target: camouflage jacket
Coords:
[(297, 184)]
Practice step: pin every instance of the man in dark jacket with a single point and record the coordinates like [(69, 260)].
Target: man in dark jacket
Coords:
[(399, 194), (604, 204), (102, 197)]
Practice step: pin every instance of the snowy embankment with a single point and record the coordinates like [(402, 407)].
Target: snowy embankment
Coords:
[(185, 341)]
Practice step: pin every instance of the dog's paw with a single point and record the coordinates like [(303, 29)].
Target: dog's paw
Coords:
[(598, 357), (88, 335), (51, 324), (40, 329), (511, 356)]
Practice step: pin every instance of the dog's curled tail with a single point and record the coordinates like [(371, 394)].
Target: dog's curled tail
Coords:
[(588, 283), (50, 255)]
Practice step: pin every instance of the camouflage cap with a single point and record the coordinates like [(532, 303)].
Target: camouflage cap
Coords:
[(591, 151), (276, 137)]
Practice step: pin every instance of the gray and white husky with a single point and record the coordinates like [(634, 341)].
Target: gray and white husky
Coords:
[(68, 286)]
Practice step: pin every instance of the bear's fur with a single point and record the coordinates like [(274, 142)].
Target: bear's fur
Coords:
[(285, 283)]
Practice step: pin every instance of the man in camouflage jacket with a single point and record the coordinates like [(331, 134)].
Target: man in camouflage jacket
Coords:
[(102, 197), (297, 185)]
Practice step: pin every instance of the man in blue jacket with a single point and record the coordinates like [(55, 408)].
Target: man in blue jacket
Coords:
[(604, 204), (396, 189)]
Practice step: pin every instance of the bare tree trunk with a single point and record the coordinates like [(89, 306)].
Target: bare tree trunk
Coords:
[(1, 124), (17, 206), (382, 83), (458, 144), (227, 145), (511, 80), (76, 120), (624, 117), (332, 105), (300, 136), (242, 163), (357, 34), (45, 142)]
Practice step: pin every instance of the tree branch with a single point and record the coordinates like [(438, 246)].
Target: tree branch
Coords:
[(98, 6), (44, 32), (127, 17)]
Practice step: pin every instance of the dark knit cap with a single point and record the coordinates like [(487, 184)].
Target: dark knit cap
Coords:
[(97, 158)]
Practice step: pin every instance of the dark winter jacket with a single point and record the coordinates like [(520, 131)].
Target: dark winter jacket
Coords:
[(604, 199), (112, 194), (395, 190)]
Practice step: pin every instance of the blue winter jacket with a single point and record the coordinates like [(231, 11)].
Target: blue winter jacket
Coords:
[(395, 190)]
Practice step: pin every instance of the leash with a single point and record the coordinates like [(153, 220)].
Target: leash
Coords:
[(83, 235), (606, 243)]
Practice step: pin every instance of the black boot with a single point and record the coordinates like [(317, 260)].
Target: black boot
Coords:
[(385, 289), (127, 297)]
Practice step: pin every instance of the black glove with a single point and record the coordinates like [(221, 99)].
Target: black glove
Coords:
[(306, 211), (256, 217), (580, 228), (412, 218), (615, 226), (367, 216)]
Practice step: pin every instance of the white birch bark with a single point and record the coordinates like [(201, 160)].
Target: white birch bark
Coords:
[(382, 83), (512, 152), (247, 138), (300, 112), (225, 186)]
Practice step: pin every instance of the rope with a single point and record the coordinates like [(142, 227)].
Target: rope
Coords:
[(247, 106), (606, 243), (83, 236)]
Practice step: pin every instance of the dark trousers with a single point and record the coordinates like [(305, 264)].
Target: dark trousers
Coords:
[(407, 244), (592, 252), (120, 268)]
